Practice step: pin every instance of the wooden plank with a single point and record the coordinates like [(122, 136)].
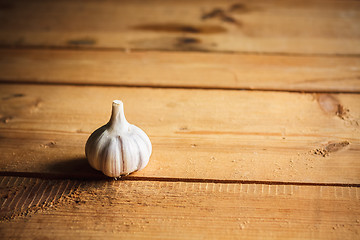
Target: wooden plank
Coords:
[(158, 210), (24, 196), (301, 27), (212, 134), (199, 70)]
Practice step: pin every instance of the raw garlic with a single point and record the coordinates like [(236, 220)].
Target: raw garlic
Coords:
[(118, 148)]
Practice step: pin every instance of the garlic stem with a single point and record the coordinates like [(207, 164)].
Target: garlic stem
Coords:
[(118, 121)]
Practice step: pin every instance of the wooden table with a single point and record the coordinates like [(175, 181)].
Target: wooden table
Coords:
[(253, 109)]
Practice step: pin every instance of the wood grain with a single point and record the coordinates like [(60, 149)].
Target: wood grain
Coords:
[(295, 27), (143, 209), (196, 134), (266, 162), (191, 70), (24, 196)]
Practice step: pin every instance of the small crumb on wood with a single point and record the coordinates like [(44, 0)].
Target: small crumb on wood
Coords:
[(48, 145), (341, 111), (6, 119), (330, 147)]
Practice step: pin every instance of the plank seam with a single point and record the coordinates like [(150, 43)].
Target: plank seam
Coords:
[(160, 179), (137, 50), (42, 83)]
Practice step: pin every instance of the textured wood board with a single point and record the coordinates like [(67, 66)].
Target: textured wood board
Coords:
[(212, 134), (301, 27), (178, 69), (226, 164), (184, 210)]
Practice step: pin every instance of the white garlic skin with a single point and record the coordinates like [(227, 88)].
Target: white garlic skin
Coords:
[(118, 148)]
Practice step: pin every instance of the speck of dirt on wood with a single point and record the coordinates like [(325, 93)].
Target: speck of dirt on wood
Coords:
[(330, 148), (321, 152), (342, 112), (48, 145), (6, 119)]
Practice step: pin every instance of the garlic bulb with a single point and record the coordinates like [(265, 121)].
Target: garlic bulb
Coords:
[(118, 148)]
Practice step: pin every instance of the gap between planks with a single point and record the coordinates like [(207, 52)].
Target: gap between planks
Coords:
[(202, 51), (64, 83), (90, 177)]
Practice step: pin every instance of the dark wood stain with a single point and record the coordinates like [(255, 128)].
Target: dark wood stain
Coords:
[(334, 147), (216, 12), (83, 41), (182, 28), (230, 19), (239, 8), (330, 148), (222, 15), (179, 42), (15, 95), (188, 44), (188, 40)]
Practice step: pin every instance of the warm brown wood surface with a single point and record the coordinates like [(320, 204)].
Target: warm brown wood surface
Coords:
[(262, 136), (281, 26), (142, 209), (255, 132), (168, 69)]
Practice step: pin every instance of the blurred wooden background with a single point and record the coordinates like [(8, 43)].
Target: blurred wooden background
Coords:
[(253, 109)]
